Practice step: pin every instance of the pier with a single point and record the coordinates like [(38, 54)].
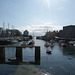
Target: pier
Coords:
[(19, 54)]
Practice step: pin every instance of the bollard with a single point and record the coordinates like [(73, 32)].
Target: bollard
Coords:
[(19, 53), (2, 54), (37, 53)]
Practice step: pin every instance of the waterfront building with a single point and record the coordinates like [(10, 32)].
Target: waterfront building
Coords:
[(67, 32)]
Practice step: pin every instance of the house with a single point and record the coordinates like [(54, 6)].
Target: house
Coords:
[(25, 33)]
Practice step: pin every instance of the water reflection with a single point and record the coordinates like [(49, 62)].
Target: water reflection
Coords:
[(56, 63), (69, 51)]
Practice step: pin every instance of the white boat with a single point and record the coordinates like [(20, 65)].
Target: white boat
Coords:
[(31, 43), (74, 45), (71, 42), (48, 51), (12, 58), (13, 40)]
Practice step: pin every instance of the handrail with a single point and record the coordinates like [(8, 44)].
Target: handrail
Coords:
[(16, 46)]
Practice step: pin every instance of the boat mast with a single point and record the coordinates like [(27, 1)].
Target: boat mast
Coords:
[(8, 30), (3, 29)]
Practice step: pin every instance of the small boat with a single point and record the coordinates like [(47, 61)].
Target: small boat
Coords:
[(14, 41), (52, 45), (47, 45), (12, 58), (71, 42), (63, 45), (48, 51), (24, 44), (74, 45), (31, 43)]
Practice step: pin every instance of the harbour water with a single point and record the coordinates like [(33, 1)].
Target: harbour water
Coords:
[(61, 61)]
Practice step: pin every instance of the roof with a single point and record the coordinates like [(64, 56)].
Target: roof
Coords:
[(70, 26)]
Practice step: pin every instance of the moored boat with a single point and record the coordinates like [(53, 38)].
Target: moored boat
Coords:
[(47, 45), (48, 51), (12, 58), (63, 45), (52, 45), (31, 43), (24, 44), (74, 45)]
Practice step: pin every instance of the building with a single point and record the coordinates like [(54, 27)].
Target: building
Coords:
[(1, 29), (9, 33), (25, 33), (60, 33), (68, 32)]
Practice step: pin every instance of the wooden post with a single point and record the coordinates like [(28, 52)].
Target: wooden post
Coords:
[(2, 54), (19, 53), (37, 54)]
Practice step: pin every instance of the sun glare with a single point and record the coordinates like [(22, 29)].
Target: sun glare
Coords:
[(47, 2)]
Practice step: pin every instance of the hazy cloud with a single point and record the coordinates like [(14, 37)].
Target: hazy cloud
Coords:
[(61, 8), (40, 29)]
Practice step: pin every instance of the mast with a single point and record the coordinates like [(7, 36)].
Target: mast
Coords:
[(8, 30), (3, 25), (12, 30), (8, 26), (3, 29)]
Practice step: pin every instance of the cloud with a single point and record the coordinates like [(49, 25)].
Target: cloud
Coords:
[(65, 0), (40, 29), (47, 2)]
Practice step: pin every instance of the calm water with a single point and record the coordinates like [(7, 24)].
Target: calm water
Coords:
[(61, 61)]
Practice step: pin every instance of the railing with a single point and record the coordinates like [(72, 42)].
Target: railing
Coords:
[(19, 53)]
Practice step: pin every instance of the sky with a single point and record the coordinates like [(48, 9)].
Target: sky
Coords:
[(37, 16)]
